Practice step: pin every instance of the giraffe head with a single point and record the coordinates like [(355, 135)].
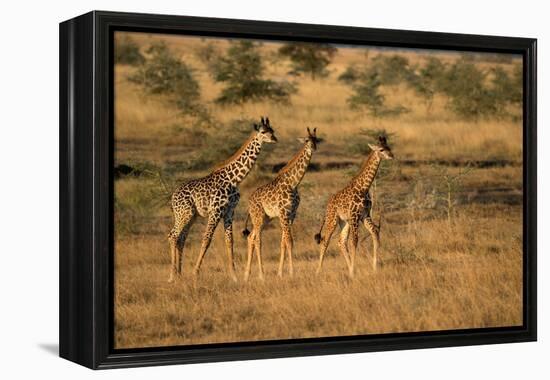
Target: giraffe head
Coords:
[(382, 149), (264, 132), (311, 138)]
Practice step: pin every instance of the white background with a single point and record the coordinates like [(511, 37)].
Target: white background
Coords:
[(29, 186)]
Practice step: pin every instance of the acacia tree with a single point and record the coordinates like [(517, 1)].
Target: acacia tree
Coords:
[(243, 72), (164, 74), (392, 70), (506, 89), (127, 52), (425, 80), (469, 97), (307, 58), (367, 96)]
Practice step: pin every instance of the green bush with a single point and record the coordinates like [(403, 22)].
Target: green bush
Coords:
[(507, 89), (350, 75), (501, 88), (208, 54), (471, 92), (366, 81), (242, 71), (163, 73), (425, 80), (139, 199), (464, 84), (127, 52), (367, 94), (367, 97), (487, 57), (392, 69), (308, 58)]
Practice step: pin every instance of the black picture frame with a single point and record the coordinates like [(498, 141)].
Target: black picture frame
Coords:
[(86, 189)]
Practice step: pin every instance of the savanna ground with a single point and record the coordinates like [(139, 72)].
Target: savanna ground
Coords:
[(440, 267)]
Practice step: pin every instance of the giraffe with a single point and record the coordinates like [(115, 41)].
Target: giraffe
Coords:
[(351, 206), (278, 199), (214, 197)]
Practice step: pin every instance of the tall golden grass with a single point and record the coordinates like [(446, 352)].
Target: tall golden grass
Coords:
[(432, 275)]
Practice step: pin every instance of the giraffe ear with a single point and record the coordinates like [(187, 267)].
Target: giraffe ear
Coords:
[(256, 127), (302, 139), (373, 147)]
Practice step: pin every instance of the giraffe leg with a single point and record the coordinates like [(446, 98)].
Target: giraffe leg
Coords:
[(213, 221), (176, 239), (289, 246), (257, 217), (343, 243), (330, 225), (250, 252), (281, 256), (174, 258), (353, 231), (290, 238), (375, 234), (258, 247), (286, 245), (228, 234)]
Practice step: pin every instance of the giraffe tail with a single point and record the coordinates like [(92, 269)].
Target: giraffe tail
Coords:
[(246, 232), (318, 236)]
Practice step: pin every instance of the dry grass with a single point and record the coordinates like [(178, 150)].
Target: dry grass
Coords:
[(421, 285), (432, 276)]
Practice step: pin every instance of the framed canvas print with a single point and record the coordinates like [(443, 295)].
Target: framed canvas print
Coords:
[(236, 189)]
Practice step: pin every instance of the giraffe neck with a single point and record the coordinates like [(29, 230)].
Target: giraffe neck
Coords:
[(361, 183), (295, 169), (237, 167)]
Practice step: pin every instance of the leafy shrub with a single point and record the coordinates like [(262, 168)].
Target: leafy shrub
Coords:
[(350, 75), (139, 198), (366, 81), (127, 52), (209, 55), (425, 80), (507, 89), (163, 73), (487, 57), (311, 59), (448, 185), (501, 88), (367, 96), (243, 72), (392, 69), (468, 96), (471, 92)]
